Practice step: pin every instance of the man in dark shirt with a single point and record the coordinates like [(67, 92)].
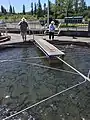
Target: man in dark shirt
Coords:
[(23, 28)]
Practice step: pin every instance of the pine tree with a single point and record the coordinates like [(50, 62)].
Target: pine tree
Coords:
[(39, 10), (45, 9), (55, 13), (3, 10), (13, 10), (32, 8), (10, 9), (24, 9), (50, 11)]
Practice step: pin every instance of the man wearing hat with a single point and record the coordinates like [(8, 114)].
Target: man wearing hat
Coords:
[(51, 30), (23, 28)]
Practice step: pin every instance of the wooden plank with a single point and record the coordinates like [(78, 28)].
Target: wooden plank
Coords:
[(48, 48)]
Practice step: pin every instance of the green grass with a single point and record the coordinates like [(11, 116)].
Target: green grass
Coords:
[(17, 17)]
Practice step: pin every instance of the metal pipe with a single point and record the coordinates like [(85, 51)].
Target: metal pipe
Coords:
[(44, 100), (48, 15), (35, 64), (74, 69)]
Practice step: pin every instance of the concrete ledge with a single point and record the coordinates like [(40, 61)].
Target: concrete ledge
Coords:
[(17, 30), (16, 42), (54, 42), (4, 38), (58, 42), (74, 33), (16, 45)]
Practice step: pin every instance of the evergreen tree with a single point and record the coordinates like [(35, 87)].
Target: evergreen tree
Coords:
[(13, 10), (45, 9), (24, 9), (3, 10), (82, 6), (55, 13), (32, 8), (76, 5), (50, 11), (39, 10), (10, 9), (88, 8)]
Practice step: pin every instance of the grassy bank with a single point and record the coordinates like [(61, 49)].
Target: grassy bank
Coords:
[(17, 17)]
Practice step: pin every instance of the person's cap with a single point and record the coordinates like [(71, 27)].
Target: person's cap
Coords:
[(23, 19), (52, 22)]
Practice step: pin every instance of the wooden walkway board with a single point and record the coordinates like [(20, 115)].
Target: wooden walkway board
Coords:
[(48, 48)]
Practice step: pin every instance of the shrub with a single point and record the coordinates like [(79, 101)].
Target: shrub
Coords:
[(72, 25)]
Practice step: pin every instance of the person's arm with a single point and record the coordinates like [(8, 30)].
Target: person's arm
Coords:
[(19, 23), (54, 27), (27, 25)]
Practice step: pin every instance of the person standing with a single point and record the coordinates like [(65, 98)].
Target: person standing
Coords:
[(51, 30), (23, 28)]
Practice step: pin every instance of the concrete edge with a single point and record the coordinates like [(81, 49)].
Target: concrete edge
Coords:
[(65, 42), (54, 42)]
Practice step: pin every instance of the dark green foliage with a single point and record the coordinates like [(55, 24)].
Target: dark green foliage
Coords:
[(24, 9), (10, 9), (32, 8), (76, 6), (55, 9), (59, 9), (13, 11), (3, 10), (39, 9), (45, 9)]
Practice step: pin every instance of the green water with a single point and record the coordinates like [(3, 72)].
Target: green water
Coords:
[(27, 83)]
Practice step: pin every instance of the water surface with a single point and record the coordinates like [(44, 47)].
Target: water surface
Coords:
[(23, 82)]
